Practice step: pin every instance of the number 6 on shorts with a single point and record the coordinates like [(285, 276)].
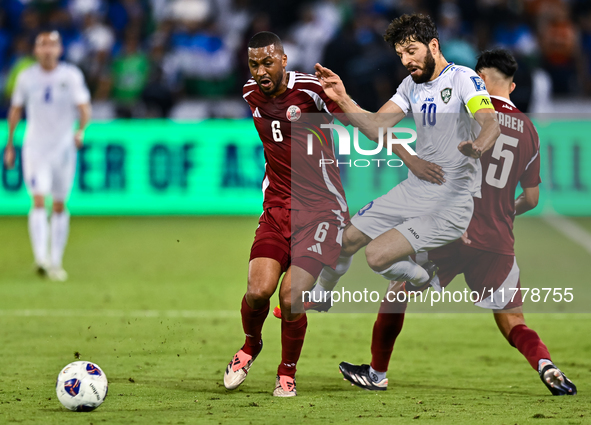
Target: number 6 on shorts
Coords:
[(321, 232)]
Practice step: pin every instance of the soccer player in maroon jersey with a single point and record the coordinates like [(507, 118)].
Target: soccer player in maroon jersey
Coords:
[(304, 205), (485, 253)]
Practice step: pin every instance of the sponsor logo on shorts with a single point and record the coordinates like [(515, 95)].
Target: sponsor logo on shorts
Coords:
[(365, 208), (414, 233)]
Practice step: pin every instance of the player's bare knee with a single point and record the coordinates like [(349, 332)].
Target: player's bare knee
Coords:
[(58, 207), (291, 302), (376, 260), (38, 201), (258, 295)]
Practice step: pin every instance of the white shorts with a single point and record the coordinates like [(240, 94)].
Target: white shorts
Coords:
[(427, 220), (51, 174)]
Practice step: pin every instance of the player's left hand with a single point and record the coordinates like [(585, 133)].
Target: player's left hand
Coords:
[(79, 138), (468, 148)]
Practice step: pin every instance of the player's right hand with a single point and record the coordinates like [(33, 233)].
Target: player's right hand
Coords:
[(9, 156), (426, 170), (331, 83), (464, 238)]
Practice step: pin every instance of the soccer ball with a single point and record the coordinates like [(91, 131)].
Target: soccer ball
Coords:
[(81, 386)]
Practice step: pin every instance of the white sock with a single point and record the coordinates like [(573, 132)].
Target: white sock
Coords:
[(406, 270), (329, 277), (542, 363), (60, 227), (375, 375), (38, 232)]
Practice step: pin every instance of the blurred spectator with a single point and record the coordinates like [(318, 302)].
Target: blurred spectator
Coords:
[(309, 37), (158, 94), (129, 73), (585, 23), (161, 58), (559, 46), (454, 45), (124, 14), (199, 52), (22, 58)]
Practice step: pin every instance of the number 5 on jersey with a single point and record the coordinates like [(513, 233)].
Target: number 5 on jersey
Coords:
[(498, 153), (276, 129)]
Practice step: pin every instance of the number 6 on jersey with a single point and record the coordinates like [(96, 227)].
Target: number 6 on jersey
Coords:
[(276, 129)]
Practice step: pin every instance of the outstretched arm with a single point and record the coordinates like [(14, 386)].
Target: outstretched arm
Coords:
[(388, 116), (371, 124)]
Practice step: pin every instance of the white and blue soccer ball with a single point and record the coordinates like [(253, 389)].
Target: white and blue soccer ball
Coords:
[(81, 386)]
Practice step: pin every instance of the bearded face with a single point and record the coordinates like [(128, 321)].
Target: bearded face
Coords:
[(418, 59)]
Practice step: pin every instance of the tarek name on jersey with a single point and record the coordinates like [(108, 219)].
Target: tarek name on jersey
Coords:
[(514, 159), (50, 99), (443, 111), (293, 178)]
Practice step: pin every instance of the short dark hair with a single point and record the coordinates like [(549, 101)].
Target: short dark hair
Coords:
[(417, 27), (500, 59), (264, 39)]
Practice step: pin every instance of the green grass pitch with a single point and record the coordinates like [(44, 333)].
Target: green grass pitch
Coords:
[(154, 302)]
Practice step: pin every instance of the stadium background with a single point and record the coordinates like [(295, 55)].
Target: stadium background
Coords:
[(154, 300)]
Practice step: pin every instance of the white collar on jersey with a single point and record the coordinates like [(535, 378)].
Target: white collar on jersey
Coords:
[(504, 100), (290, 79)]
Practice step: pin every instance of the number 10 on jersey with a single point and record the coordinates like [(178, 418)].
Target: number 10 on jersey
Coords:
[(429, 110)]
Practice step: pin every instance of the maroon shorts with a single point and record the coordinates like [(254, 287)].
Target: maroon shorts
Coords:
[(307, 239), (494, 276)]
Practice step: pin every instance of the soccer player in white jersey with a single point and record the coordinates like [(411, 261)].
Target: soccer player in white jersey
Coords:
[(52, 93), (433, 206)]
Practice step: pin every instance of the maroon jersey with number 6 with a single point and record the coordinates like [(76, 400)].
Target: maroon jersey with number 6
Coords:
[(294, 178), (514, 159)]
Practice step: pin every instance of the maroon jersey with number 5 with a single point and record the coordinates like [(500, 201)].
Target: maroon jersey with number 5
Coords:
[(514, 159), (296, 178)]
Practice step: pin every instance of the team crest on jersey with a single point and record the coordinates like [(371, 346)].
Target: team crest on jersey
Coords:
[(446, 95), (293, 113)]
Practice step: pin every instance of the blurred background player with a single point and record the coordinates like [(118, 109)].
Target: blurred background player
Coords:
[(304, 205), (485, 254), (50, 91)]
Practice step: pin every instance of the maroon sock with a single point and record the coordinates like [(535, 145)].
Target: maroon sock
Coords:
[(252, 323), (292, 340), (385, 331), (529, 344)]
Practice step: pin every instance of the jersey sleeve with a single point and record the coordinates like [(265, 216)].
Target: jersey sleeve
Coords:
[(402, 96), (531, 174), (472, 91), (332, 107), (247, 90), (80, 94), (19, 95)]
